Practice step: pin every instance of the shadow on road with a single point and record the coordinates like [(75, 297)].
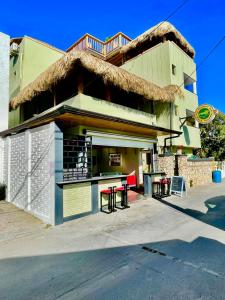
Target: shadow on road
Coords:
[(172, 269), (215, 215)]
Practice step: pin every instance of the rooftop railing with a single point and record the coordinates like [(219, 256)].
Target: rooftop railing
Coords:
[(91, 43)]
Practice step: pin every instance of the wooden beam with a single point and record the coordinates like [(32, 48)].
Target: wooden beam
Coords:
[(54, 99), (80, 83), (108, 95)]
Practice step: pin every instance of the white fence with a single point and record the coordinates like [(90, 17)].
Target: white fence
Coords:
[(27, 167)]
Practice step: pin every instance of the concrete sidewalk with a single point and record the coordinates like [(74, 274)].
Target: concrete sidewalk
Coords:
[(150, 251), (205, 203)]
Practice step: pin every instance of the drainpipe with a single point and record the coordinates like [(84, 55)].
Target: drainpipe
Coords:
[(171, 125), (170, 138)]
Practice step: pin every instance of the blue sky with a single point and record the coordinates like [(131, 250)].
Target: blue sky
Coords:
[(61, 23)]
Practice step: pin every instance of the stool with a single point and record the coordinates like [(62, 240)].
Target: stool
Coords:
[(158, 189), (110, 194), (165, 182), (168, 186), (124, 199)]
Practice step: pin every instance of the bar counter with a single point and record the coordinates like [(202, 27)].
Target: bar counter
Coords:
[(82, 197), (148, 179)]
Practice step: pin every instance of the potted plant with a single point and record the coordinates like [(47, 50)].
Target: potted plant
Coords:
[(2, 191)]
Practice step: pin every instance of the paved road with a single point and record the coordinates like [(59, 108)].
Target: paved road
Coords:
[(150, 251)]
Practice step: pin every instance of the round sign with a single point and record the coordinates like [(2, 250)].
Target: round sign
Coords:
[(205, 114)]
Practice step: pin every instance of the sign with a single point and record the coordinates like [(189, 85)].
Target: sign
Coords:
[(205, 114), (115, 159), (178, 185)]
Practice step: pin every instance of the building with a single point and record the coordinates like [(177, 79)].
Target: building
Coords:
[(79, 123), (29, 57), (4, 80)]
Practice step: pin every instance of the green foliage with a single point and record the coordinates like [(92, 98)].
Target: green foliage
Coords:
[(107, 38), (213, 138)]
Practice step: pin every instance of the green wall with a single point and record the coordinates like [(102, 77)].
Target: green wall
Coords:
[(34, 57), (152, 65), (92, 104), (155, 65), (37, 58)]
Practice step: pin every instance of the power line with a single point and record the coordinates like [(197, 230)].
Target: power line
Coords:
[(210, 52), (205, 58)]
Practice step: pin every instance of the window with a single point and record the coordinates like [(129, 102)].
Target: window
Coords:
[(173, 69), (189, 84)]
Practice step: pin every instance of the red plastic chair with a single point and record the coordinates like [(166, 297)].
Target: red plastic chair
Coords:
[(131, 181)]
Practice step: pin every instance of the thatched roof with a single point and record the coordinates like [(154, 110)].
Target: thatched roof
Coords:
[(162, 30), (109, 73)]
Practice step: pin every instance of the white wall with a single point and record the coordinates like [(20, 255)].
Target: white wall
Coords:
[(29, 171), (4, 80), (1, 160)]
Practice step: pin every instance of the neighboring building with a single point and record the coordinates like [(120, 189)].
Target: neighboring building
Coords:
[(4, 80), (29, 57), (87, 119)]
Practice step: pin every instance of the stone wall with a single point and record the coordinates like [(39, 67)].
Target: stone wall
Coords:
[(166, 164), (196, 172)]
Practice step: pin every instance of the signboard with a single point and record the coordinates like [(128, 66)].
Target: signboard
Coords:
[(115, 159), (205, 114), (178, 185)]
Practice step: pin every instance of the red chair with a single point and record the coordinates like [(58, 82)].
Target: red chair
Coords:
[(131, 182)]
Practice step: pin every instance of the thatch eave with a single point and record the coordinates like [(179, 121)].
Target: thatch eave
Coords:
[(109, 73), (162, 30)]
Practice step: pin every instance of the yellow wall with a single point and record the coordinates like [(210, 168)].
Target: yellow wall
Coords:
[(76, 199)]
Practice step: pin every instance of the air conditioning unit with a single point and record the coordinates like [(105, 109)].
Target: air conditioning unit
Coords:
[(14, 49)]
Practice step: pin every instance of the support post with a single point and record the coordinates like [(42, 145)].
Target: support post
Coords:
[(58, 168), (80, 84)]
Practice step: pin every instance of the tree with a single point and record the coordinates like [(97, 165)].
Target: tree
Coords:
[(213, 138)]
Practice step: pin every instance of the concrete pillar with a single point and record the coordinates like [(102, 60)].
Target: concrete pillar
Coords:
[(57, 164), (4, 80)]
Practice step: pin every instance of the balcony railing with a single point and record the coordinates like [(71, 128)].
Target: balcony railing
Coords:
[(91, 43)]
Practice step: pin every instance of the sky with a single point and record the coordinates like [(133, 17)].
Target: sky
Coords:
[(61, 23)]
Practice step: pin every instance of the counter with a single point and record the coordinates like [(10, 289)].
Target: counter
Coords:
[(82, 197), (148, 179)]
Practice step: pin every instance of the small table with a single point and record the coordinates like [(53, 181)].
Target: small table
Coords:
[(148, 179)]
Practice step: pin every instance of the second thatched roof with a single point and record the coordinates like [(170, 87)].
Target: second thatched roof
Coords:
[(109, 73), (162, 30)]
